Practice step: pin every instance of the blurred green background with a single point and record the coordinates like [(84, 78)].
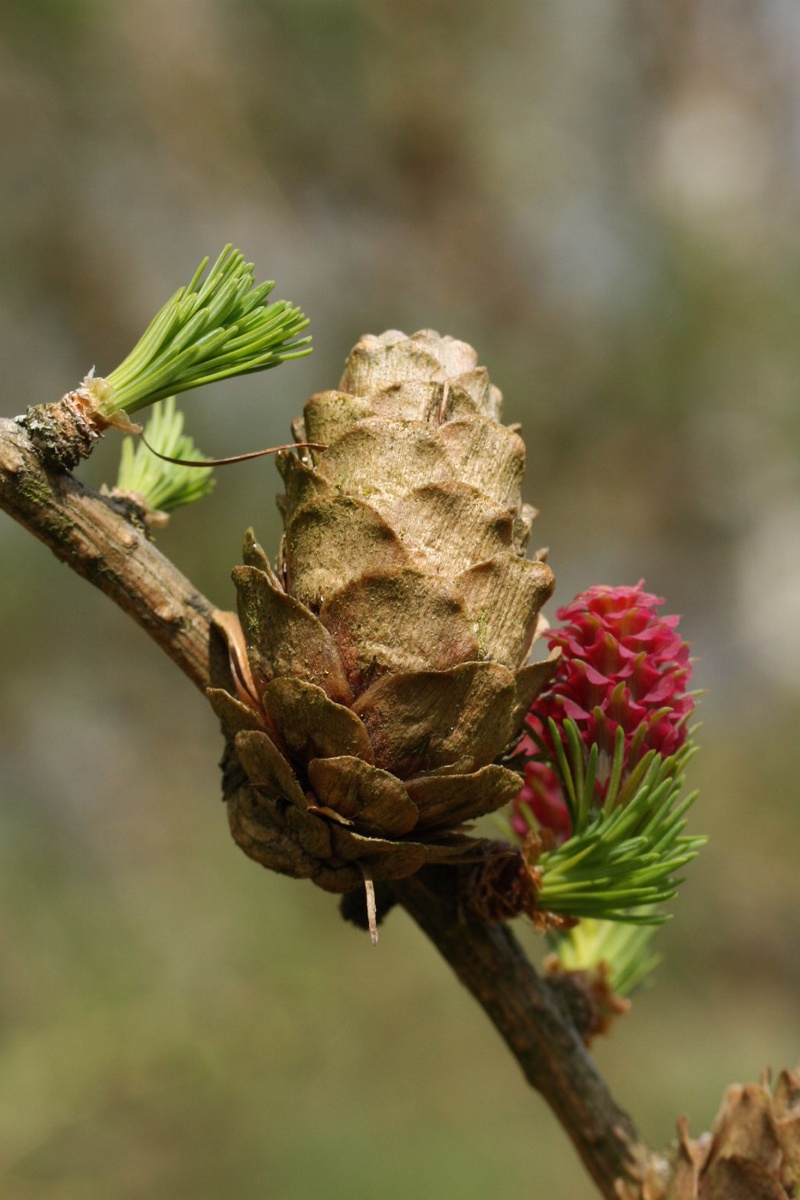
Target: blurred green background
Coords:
[(603, 198)]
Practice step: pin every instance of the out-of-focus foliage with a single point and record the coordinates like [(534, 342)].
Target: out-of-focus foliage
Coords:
[(603, 200), (160, 485)]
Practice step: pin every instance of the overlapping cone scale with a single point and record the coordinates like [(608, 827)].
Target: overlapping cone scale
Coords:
[(751, 1153), (379, 672)]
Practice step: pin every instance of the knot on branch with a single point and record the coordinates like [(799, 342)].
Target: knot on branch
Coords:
[(586, 997), (64, 433)]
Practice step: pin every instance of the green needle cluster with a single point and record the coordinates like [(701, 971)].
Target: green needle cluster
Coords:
[(621, 861), (164, 486), (624, 949), (211, 329)]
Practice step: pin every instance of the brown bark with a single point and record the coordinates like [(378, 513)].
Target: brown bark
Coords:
[(492, 965), (94, 536)]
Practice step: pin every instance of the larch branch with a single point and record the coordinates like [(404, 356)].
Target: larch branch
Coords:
[(92, 535), (492, 965)]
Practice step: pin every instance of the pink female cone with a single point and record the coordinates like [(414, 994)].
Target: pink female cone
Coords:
[(622, 665)]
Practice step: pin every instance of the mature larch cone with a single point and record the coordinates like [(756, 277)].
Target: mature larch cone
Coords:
[(751, 1153), (378, 673)]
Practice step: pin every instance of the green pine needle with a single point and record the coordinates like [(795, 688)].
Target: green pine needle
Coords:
[(621, 861), (208, 330), (625, 949), (164, 486)]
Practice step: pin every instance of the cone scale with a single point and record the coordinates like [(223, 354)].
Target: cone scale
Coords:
[(378, 672)]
